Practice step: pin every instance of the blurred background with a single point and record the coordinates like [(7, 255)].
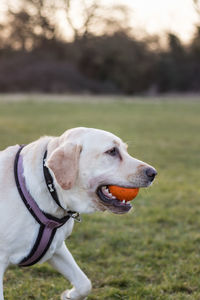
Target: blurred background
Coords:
[(100, 47), (131, 67)]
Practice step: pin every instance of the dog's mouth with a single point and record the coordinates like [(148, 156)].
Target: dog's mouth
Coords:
[(114, 204)]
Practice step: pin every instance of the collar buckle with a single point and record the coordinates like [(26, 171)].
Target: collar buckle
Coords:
[(76, 216)]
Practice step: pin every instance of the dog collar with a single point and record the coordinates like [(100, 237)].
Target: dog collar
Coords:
[(48, 224), (49, 181), (52, 190)]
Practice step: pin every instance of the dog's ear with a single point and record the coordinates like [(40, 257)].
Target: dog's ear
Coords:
[(64, 163)]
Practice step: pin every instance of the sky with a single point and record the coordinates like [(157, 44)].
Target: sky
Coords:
[(158, 16), (154, 16)]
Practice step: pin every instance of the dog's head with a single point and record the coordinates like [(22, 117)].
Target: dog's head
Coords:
[(86, 161)]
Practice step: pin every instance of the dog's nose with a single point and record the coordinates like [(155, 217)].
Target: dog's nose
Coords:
[(151, 173)]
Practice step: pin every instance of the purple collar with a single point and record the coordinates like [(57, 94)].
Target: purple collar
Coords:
[(48, 224)]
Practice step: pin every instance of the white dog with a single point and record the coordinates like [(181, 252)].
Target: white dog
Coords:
[(55, 180)]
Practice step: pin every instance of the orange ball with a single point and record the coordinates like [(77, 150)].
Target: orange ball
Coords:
[(122, 193)]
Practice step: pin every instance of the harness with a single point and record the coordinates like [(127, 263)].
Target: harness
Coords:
[(48, 223)]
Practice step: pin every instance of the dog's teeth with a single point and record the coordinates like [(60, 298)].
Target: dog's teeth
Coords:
[(105, 190), (107, 193)]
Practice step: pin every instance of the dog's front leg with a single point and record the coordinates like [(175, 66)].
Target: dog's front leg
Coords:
[(1, 283), (2, 270), (64, 262)]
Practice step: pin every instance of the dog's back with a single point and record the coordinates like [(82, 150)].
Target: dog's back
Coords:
[(9, 206), (7, 157)]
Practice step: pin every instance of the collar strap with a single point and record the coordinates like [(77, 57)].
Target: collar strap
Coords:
[(48, 224), (52, 189), (49, 181)]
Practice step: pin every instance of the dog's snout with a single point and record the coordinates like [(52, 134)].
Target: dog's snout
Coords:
[(151, 173)]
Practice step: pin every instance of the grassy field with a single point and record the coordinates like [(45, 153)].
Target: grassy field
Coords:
[(153, 253)]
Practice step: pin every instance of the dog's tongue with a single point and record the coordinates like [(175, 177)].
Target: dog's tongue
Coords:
[(122, 193)]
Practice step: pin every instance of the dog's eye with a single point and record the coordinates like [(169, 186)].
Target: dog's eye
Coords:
[(113, 152)]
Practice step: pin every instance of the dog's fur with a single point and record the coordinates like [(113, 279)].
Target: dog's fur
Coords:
[(79, 162)]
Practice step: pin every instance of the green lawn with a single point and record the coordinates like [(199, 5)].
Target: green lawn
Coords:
[(154, 251)]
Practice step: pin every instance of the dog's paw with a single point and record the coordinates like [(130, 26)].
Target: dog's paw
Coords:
[(66, 296)]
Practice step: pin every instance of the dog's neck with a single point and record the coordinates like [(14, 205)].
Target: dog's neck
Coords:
[(33, 162)]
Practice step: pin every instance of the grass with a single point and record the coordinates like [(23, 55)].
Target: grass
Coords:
[(154, 251)]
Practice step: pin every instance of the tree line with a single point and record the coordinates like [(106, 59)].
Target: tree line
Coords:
[(34, 56)]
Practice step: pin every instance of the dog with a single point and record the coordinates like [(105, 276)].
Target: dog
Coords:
[(45, 185)]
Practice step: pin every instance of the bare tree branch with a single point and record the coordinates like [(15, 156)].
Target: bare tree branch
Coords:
[(197, 6), (97, 18), (69, 18), (90, 15)]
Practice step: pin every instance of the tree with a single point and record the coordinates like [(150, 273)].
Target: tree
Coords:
[(175, 45), (96, 19), (30, 25), (36, 21), (197, 6)]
